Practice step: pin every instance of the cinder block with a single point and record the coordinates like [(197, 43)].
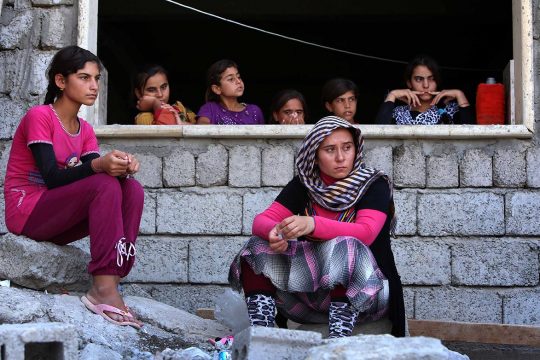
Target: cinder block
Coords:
[(277, 165), (408, 299), (12, 112), (188, 212), (150, 172), (5, 148), (522, 307), (533, 167), (37, 81), (212, 166), (422, 262), (458, 304), (148, 220), (476, 169), (442, 171), (522, 213), (405, 203), (210, 258), (160, 260), (495, 263), (4, 65), (465, 213), (3, 227), (509, 168), (245, 166), (15, 34), (39, 341), (185, 297), (409, 166), (255, 203), (57, 23), (261, 343), (179, 169), (380, 158)]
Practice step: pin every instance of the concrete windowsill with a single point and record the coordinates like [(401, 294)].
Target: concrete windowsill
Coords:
[(299, 131)]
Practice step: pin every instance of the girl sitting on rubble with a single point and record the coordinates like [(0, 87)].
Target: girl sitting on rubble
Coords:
[(152, 91), (321, 252), (59, 189), (224, 87)]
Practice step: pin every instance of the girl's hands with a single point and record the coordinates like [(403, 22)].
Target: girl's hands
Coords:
[(116, 163), (406, 95), (449, 95), (277, 242), (290, 228)]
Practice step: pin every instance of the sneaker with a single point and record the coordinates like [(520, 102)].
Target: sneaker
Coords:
[(341, 319), (261, 310)]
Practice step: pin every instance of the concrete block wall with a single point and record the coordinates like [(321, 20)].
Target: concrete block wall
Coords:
[(464, 252), (468, 234)]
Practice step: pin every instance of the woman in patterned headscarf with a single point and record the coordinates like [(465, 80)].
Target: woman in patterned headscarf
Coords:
[(321, 252), (421, 103)]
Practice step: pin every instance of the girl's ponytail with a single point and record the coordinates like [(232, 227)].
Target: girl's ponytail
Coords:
[(51, 94)]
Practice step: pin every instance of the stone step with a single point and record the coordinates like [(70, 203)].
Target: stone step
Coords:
[(43, 265)]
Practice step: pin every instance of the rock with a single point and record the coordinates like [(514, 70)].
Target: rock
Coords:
[(190, 327), (97, 352), (43, 265), (387, 347), (164, 326)]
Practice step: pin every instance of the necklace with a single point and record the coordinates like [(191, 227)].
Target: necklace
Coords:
[(76, 133)]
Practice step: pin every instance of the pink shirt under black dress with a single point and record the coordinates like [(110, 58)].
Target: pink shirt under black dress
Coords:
[(218, 115), (24, 184)]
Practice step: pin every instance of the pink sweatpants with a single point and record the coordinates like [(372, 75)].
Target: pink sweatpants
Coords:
[(104, 207)]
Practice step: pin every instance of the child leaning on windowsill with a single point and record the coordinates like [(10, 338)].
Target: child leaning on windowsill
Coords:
[(152, 92)]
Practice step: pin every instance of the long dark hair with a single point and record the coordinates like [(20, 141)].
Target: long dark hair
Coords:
[(281, 98), (66, 61), (426, 61), (336, 87), (213, 77), (145, 73)]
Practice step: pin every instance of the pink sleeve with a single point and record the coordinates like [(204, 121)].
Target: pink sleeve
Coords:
[(265, 221), (366, 228), (38, 126), (90, 141)]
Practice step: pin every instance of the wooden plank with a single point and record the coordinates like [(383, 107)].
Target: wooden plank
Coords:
[(477, 332)]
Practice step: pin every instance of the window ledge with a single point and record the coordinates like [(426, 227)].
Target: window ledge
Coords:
[(299, 131)]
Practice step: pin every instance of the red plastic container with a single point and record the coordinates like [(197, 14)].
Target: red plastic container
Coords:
[(490, 104)]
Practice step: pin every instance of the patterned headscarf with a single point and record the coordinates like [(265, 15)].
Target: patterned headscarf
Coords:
[(345, 192)]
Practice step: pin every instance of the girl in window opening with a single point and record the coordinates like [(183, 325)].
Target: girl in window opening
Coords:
[(424, 104), (321, 252), (152, 91), (59, 189), (224, 87), (288, 108), (339, 97)]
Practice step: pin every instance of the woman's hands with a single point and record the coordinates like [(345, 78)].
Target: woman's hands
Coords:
[(116, 163), (406, 95), (290, 228), (412, 97), (449, 95)]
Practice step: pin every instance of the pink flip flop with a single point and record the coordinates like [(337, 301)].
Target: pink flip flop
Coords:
[(100, 309)]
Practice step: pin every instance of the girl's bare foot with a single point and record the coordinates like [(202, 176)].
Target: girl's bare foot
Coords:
[(105, 291)]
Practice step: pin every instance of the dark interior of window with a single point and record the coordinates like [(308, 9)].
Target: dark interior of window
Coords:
[(472, 35)]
